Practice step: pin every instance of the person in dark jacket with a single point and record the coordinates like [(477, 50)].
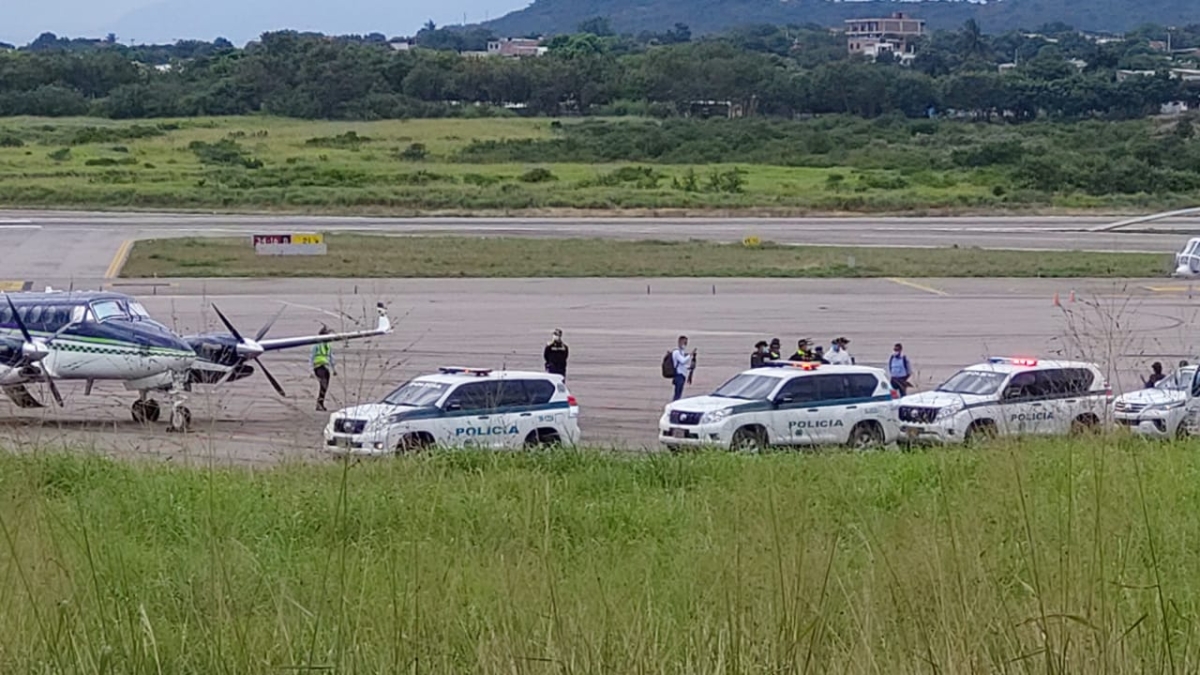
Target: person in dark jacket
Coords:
[(1156, 375), (760, 355), (775, 350), (803, 353), (555, 355)]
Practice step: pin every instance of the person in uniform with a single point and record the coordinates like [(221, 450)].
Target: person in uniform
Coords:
[(555, 355), (802, 352), (760, 355), (322, 364), (775, 351)]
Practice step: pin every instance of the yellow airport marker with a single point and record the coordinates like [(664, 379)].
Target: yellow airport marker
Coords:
[(118, 261), (919, 287), (15, 286)]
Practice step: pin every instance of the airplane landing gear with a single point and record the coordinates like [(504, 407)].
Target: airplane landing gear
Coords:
[(145, 410), (181, 419)]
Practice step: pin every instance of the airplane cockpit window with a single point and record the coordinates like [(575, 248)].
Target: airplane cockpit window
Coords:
[(108, 309), (138, 311)]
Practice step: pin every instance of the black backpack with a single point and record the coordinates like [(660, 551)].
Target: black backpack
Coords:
[(668, 366)]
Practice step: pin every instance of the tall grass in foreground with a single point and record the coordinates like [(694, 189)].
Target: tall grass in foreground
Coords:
[(1037, 556)]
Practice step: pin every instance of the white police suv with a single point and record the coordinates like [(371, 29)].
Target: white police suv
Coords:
[(1007, 396), (1159, 411), (460, 407), (787, 404)]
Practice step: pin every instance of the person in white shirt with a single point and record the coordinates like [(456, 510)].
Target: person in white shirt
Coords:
[(685, 365), (837, 354)]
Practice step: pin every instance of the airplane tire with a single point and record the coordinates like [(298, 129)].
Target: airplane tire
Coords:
[(144, 411), (153, 411), (181, 420)]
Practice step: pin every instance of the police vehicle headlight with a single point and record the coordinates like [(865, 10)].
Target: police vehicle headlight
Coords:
[(714, 416), (950, 410)]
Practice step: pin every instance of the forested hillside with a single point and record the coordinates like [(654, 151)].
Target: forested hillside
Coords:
[(705, 16)]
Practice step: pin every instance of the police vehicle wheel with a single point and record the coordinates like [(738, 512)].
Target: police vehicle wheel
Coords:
[(1084, 424), (1181, 432), (747, 439), (866, 436), (542, 438), (414, 443), (980, 431)]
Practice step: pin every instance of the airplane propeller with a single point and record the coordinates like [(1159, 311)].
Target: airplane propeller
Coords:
[(33, 351), (250, 350)]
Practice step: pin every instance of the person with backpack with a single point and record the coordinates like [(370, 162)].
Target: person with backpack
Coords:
[(678, 365), (900, 370)]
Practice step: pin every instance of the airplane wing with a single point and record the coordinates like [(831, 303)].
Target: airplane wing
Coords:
[(383, 327)]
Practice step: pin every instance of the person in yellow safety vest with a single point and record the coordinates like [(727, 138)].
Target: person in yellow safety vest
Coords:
[(322, 363)]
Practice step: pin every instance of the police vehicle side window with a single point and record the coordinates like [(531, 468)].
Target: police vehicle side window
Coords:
[(540, 391), (799, 390), (861, 385), (475, 396), (1021, 387), (831, 387), (511, 394)]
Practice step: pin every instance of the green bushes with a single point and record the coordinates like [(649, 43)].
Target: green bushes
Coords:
[(223, 153)]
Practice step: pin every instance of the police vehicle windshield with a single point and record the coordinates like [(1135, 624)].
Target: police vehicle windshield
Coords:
[(748, 387), (974, 382), (417, 394), (1177, 381)]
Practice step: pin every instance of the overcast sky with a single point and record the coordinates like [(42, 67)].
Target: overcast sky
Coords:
[(236, 20)]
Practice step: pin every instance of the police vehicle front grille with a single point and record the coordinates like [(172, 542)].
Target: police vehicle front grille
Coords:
[(1122, 406), (344, 426), (679, 417), (918, 415)]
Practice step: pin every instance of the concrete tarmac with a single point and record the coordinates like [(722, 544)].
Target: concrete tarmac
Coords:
[(62, 246), (618, 331)]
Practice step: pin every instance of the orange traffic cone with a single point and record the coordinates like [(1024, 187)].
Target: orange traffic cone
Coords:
[(1072, 298), (1056, 302)]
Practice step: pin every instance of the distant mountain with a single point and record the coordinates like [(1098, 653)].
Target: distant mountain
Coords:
[(708, 16)]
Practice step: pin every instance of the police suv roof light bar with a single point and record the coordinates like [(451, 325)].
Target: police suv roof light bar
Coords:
[(1014, 361), (803, 365), (458, 370)]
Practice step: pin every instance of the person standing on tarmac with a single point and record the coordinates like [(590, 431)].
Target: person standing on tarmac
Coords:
[(775, 351), (685, 365), (818, 355), (1156, 375), (900, 370), (802, 353), (837, 354), (759, 356), (322, 364), (555, 355)]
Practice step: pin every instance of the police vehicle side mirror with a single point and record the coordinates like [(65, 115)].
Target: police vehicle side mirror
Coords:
[(451, 406), (1012, 392), (784, 399)]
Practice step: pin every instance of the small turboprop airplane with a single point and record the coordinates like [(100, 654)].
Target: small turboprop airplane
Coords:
[(104, 336), (1187, 261)]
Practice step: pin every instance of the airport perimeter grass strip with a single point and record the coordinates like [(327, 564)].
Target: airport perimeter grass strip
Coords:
[(373, 256), (953, 560)]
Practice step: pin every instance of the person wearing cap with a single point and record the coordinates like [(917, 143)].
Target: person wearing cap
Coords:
[(818, 355), (322, 364), (802, 352), (775, 350), (555, 354), (900, 370), (1156, 375), (837, 354), (759, 356)]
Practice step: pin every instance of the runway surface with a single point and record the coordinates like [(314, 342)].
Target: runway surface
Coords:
[(59, 246), (618, 331)]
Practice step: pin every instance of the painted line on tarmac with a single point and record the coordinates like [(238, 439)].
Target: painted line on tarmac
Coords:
[(119, 258), (920, 287), (12, 286), (1169, 289)]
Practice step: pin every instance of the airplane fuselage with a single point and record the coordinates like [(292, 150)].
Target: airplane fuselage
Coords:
[(91, 336)]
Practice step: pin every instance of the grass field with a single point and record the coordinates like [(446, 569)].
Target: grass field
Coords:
[(368, 256), (1033, 557), (415, 166)]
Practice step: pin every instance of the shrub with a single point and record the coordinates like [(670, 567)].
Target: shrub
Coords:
[(415, 152), (60, 155), (10, 141), (538, 175), (348, 141), (223, 153)]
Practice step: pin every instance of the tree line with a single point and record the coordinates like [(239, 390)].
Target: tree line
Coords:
[(767, 71)]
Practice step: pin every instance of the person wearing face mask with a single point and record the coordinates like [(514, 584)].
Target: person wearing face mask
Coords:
[(760, 354), (555, 354), (837, 353)]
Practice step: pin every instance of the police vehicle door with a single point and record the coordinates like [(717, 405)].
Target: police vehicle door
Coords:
[(803, 418), (472, 418), (1066, 393), (514, 411), (1023, 407)]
